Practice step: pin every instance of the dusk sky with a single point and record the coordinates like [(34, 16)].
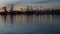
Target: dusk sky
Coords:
[(45, 3)]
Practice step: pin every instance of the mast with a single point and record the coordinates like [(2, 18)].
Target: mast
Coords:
[(11, 8), (27, 8), (4, 8)]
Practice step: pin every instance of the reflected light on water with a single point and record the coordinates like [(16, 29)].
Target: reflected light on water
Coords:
[(29, 24)]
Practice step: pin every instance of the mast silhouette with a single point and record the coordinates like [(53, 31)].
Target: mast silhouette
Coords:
[(5, 10), (11, 8)]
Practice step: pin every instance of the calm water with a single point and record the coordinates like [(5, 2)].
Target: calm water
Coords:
[(32, 24)]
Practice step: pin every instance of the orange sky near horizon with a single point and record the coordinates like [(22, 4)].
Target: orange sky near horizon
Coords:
[(18, 8)]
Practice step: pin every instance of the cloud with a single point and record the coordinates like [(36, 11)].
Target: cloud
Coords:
[(47, 1), (14, 2), (25, 1)]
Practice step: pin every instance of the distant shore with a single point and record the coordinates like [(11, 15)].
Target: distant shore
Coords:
[(29, 12), (47, 12)]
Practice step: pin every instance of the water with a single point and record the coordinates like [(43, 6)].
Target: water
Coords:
[(32, 24)]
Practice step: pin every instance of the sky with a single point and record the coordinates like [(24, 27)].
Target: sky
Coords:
[(46, 3)]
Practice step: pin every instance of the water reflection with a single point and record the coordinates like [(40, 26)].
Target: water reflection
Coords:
[(5, 18), (11, 18), (30, 24)]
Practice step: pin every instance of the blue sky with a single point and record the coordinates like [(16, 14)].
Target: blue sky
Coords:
[(45, 3)]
